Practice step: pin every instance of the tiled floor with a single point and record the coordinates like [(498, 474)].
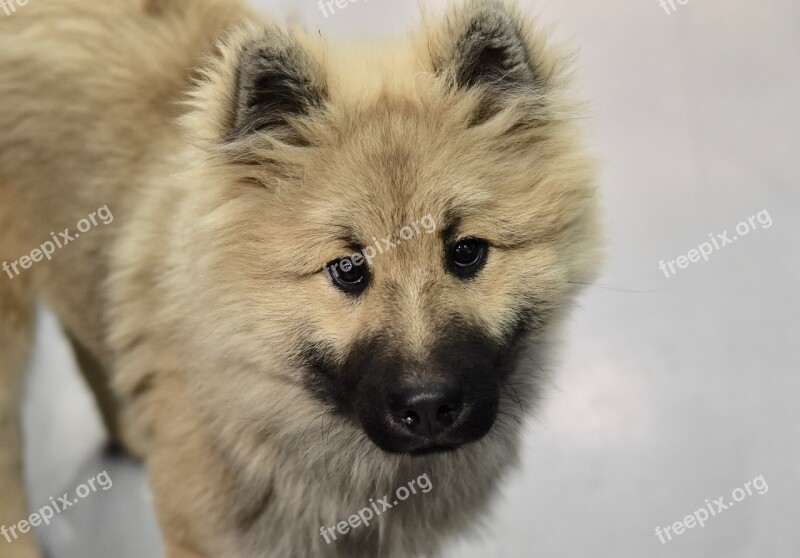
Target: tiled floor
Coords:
[(671, 390)]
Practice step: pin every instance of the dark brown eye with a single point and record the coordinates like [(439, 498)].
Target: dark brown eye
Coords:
[(466, 257), (350, 275)]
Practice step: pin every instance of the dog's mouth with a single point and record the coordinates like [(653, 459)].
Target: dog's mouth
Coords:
[(428, 419), (433, 450)]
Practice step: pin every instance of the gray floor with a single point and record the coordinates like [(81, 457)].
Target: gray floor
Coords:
[(671, 390)]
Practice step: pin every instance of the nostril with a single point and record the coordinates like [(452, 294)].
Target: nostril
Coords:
[(410, 418)]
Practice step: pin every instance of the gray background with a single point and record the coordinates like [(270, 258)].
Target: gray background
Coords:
[(669, 391)]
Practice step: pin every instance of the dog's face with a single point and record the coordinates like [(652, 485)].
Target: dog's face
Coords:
[(383, 239)]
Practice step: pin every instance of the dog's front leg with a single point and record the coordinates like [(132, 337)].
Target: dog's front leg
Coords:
[(187, 479), (178, 482)]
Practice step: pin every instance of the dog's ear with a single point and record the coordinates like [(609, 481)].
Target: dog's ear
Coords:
[(485, 44), (277, 81)]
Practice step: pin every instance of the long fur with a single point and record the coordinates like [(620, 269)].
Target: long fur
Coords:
[(200, 298)]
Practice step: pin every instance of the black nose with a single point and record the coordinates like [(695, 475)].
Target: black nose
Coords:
[(427, 410)]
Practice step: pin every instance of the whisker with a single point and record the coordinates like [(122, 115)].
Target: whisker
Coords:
[(519, 401)]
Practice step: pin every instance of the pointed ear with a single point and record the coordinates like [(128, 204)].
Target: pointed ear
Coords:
[(485, 44), (277, 81)]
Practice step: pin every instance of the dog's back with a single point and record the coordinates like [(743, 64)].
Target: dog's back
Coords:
[(85, 102)]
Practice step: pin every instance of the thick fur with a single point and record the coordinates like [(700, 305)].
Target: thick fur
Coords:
[(233, 155)]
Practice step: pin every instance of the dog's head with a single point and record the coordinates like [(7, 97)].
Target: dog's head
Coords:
[(382, 232)]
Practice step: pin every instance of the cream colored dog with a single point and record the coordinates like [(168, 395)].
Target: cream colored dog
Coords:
[(296, 275)]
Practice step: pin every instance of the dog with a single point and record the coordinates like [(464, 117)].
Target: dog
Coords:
[(296, 275)]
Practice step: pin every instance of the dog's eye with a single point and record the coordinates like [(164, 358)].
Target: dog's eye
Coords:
[(466, 257), (348, 275)]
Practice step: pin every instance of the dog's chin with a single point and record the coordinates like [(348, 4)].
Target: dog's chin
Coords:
[(392, 442), (420, 450), (434, 450), (417, 449)]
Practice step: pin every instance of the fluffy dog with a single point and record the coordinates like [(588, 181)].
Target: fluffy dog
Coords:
[(324, 270)]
